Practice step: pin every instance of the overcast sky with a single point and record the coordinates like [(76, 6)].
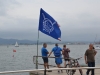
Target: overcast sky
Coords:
[(79, 20)]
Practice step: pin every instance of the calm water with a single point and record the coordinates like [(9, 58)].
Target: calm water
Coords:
[(23, 57)]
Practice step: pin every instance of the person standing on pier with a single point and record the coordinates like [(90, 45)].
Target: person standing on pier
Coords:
[(45, 53), (57, 53), (90, 58), (66, 55)]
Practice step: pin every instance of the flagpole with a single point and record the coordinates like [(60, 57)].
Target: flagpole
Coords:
[(46, 26), (37, 51)]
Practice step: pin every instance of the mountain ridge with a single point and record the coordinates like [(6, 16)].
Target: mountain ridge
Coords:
[(13, 41), (29, 42)]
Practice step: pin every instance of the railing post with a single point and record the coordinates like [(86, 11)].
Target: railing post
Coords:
[(36, 62), (45, 71), (70, 67)]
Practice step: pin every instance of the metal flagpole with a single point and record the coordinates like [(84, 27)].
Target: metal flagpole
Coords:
[(37, 51)]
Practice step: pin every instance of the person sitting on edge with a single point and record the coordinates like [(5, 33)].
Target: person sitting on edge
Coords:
[(45, 53), (66, 55), (57, 53)]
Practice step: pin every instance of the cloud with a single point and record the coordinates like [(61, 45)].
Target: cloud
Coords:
[(4, 6), (79, 20)]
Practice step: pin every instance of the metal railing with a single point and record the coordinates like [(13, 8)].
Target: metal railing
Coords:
[(54, 69), (37, 70), (69, 68)]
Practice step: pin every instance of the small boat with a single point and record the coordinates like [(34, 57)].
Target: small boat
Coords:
[(16, 44)]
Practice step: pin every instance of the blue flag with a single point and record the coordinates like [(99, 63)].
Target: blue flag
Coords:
[(48, 25)]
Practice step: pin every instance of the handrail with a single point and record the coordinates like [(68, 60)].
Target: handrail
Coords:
[(37, 70), (54, 57), (58, 57)]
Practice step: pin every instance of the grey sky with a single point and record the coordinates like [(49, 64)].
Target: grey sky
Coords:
[(79, 19)]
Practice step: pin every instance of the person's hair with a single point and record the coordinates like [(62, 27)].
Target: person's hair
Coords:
[(64, 45), (44, 44), (90, 45), (56, 44)]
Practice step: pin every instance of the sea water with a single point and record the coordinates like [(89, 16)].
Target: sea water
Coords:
[(22, 59)]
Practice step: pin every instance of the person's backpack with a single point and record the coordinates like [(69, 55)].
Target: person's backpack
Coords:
[(57, 52)]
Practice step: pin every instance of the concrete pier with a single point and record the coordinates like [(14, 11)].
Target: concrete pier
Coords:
[(55, 72)]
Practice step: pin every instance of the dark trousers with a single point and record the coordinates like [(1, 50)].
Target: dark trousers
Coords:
[(91, 64)]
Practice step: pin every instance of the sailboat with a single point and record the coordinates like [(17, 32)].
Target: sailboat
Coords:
[(97, 47), (16, 44)]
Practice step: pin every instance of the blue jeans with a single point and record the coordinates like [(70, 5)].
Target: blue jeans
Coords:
[(91, 64)]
